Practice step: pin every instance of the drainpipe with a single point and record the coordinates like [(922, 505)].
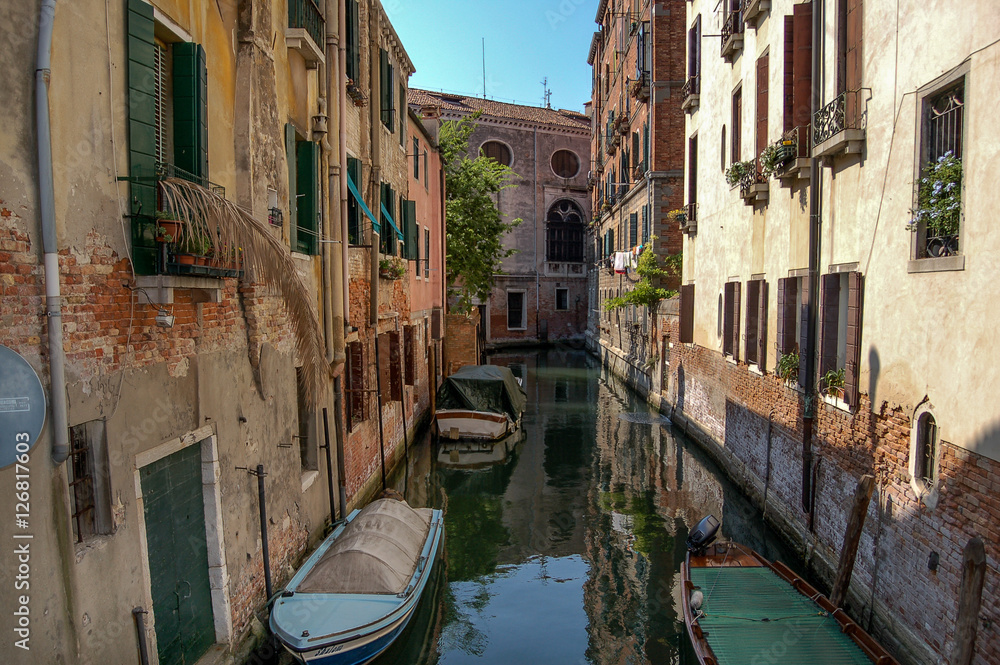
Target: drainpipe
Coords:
[(336, 52), (534, 214), (46, 207), (375, 134), (815, 211)]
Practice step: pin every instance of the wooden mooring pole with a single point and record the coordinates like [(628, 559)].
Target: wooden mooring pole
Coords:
[(969, 598), (849, 551)]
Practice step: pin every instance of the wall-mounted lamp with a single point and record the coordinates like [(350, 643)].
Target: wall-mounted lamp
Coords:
[(164, 320)]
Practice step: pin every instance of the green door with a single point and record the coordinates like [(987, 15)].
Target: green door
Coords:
[(178, 556)]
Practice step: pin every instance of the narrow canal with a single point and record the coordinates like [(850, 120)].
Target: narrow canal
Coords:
[(566, 547)]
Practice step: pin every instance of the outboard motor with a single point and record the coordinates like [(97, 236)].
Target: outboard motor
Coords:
[(703, 535)]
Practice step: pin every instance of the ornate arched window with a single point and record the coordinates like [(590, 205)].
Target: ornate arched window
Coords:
[(564, 231)]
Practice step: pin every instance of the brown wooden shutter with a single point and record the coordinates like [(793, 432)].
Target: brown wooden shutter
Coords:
[(855, 21), (408, 352), (436, 324), (737, 124), (787, 120), (802, 73), (384, 369), (687, 314), (855, 309), (727, 319), (762, 327), (395, 368), (787, 295), (762, 85), (804, 306), (356, 383), (753, 311), (829, 322), (736, 321)]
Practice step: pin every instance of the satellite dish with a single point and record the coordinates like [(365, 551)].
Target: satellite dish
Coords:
[(22, 407)]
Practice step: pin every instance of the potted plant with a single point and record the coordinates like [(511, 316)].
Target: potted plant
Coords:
[(168, 226), (774, 157), (679, 215), (737, 171), (788, 366), (939, 197), (391, 268), (833, 383), (194, 245)]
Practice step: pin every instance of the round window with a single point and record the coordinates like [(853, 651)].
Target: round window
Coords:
[(565, 163), (497, 151)]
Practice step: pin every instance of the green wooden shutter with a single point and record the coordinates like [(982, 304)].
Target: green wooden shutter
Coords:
[(191, 109), (410, 231), (353, 209), (353, 50), (293, 203), (385, 87), (402, 113), (142, 135), (645, 147), (633, 229), (307, 176)]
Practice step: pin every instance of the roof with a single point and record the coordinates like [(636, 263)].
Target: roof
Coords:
[(461, 104)]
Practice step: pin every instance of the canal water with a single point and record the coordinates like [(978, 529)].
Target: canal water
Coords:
[(565, 544)]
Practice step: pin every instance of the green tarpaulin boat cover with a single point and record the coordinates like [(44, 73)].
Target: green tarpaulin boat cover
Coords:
[(483, 388)]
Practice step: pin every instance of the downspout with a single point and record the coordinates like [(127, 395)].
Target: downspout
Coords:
[(46, 207), (815, 211), (375, 76), (343, 270)]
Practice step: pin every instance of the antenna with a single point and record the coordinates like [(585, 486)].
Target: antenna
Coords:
[(548, 93), (484, 67)]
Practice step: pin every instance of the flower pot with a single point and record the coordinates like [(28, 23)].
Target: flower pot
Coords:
[(184, 259), (202, 261), (168, 230)]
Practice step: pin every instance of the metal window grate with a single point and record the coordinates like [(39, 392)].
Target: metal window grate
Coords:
[(945, 115), (159, 101), (81, 483)]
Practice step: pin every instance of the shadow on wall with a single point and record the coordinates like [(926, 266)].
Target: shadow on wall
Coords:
[(874, 367), (679, 404)]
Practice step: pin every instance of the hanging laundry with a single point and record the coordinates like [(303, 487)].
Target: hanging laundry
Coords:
[(620, 262)]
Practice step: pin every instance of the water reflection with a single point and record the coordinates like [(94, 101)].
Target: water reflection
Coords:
[(567, 548)]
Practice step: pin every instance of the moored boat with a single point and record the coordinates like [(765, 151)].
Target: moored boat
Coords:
[(740, 608), (358, 590), (482, 402), (478, 454)]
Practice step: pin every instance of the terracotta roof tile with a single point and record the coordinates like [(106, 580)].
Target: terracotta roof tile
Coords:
[(503, 110)]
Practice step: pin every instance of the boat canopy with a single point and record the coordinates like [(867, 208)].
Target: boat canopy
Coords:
[(489, 388), (377, 553)]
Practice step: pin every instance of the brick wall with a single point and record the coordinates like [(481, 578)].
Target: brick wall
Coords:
[(748, 419), (461, 343)]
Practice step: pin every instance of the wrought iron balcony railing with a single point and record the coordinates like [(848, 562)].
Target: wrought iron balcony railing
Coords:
[(306, 14), (843, 113), (692, 86), (732, 33)]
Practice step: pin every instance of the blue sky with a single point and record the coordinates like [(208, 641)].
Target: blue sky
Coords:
[(526, 40)]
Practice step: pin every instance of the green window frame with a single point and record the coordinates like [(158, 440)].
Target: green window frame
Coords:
[(353, 209), (308, 200), (387, 241), (387, 104), (411, 233), (353, 60)]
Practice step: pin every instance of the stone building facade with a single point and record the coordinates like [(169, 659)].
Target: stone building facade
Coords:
[(637, 174), (183, 371), (800, 353), (541, 295)]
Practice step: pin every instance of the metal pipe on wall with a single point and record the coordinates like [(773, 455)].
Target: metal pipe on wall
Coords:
[(46, 208)]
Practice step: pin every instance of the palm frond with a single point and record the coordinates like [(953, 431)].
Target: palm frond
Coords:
[(231, 228)]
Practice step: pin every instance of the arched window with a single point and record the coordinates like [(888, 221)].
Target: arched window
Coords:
[(565, 163), (924, 455), (564, 224), (497, 151)]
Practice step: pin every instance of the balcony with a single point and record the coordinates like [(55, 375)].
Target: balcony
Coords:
[(306, 31), (794, 163), (690, 93), (732, 35), (753, 184), (690, 223), (639, 88), (755, 11), (839, 127)]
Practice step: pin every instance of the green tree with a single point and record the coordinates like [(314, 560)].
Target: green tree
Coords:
[(475, 225)]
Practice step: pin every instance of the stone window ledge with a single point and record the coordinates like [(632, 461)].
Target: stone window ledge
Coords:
[(939, 264)]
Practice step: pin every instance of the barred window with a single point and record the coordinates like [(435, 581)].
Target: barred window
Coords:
[(90, 494)]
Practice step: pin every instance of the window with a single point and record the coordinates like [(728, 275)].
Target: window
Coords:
[(356, 383), (497, 151), (416, 263), (692, 176), (353, 42), (390, 367), (387, 241), (411, 232), (409, 346), (402, 113), (633, 230), (353, 209), (756, 326), (731, 320), (840, 329), (694, 57), (89, 480), (387, 104), (646, 225), (307, 450), (516, 319), (686, 326), (562, 299), (564, 228), (416, 159), (304, 208), (941, 150), (737, 124), (798, 73), (565, 163), (762, 87), (427, 253), (925, 454), (425, 170)]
